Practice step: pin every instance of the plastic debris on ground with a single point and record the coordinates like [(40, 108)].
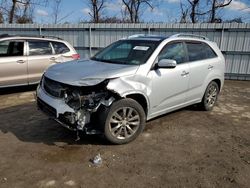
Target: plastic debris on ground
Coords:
[(97, 160)]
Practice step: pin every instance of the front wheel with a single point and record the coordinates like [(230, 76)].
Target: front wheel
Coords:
[(125, 120), (210, 96)]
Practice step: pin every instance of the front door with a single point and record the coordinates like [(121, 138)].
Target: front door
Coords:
[(169, 85), (13, 63)]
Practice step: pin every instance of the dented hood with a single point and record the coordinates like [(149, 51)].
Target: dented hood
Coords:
[(88, 72)]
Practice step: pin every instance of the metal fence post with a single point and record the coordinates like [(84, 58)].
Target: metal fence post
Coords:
[(222, 36), (90, 41), (40, 30)]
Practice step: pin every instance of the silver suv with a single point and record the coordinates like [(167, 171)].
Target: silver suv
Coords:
[(23, 59), (131, 81)]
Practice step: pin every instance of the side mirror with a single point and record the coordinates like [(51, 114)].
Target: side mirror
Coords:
[(166, 63)]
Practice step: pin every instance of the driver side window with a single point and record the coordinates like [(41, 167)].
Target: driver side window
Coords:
[(173, 51)]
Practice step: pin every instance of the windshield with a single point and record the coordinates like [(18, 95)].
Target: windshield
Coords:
[(129, 52)]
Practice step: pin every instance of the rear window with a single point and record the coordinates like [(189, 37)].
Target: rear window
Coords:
[(199, 51), (39, 48), (60, 48)]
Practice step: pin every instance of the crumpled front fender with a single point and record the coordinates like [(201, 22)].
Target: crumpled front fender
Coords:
[(131, 85)]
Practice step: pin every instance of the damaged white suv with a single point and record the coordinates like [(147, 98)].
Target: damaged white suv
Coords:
[(131, 81)]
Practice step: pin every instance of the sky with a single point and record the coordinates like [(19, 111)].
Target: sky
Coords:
[(75, 11)]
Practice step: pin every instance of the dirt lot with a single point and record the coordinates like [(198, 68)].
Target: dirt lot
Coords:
[(187, 148)]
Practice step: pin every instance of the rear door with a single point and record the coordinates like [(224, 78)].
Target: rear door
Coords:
[(40, 57), (62, 52), (202, 61), (13, 63)]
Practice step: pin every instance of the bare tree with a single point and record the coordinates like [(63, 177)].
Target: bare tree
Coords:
[(24, 17), (184, 13), (12, 11), (19, 11), (1, 17), (207, 14), (133, 8), (96, 7), (27, 15), (193, 4), (215, 6), (56, 9)]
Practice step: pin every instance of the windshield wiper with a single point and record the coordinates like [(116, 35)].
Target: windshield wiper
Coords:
[(106, 61)]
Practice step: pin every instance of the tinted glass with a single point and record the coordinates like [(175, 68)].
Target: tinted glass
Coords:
[(208, 51), (131, 52), (199, 51), (173, 51), (11, 48), (39, 48), (60, 48)]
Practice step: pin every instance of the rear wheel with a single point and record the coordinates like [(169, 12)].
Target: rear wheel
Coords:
[(123, 121), (210, 96)]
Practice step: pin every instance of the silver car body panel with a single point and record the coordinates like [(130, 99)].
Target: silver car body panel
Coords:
[(56, 103), (74, 72)]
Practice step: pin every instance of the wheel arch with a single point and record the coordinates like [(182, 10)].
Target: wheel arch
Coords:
[(141, 99), (218, 82)]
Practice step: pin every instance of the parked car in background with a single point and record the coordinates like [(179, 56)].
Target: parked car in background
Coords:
[(23, 59), (131, 81)]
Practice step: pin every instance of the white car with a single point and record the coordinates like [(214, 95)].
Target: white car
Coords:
[(131, 81)]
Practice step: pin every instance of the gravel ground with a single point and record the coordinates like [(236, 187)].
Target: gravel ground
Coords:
[(186, 148)]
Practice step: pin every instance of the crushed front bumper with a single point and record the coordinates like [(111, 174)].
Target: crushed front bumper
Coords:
[(54, 108)]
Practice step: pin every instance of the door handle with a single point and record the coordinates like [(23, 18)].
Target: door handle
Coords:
[(20, 61), (52, 59), (184, 73), (210, 67)]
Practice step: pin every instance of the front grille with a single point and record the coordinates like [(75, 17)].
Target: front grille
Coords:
[(49, 110), (53, 88)]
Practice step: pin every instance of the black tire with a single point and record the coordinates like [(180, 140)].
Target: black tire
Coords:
[(210, 97), (123, 121)]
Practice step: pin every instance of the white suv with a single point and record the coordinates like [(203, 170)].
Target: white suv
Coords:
[(23, 59), (131, 81)]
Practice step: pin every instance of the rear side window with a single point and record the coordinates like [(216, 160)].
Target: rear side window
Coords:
[(60, 48), (39, 48), (199, 51), (11, 48), (173, 51)]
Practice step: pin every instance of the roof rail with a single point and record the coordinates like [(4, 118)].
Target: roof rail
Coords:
[(38, 36), (190, 35), (144, 36), (52, 37), (136, 35)]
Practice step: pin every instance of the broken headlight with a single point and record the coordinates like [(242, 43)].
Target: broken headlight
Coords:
[(87, 97)]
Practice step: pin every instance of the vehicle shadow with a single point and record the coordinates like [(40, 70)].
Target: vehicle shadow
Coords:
[(186, 111), (19, 89), (29, 124)]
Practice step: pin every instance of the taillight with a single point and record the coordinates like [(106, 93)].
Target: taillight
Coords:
[(76, 56)]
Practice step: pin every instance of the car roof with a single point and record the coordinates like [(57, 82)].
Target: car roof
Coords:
[(50, 38)]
